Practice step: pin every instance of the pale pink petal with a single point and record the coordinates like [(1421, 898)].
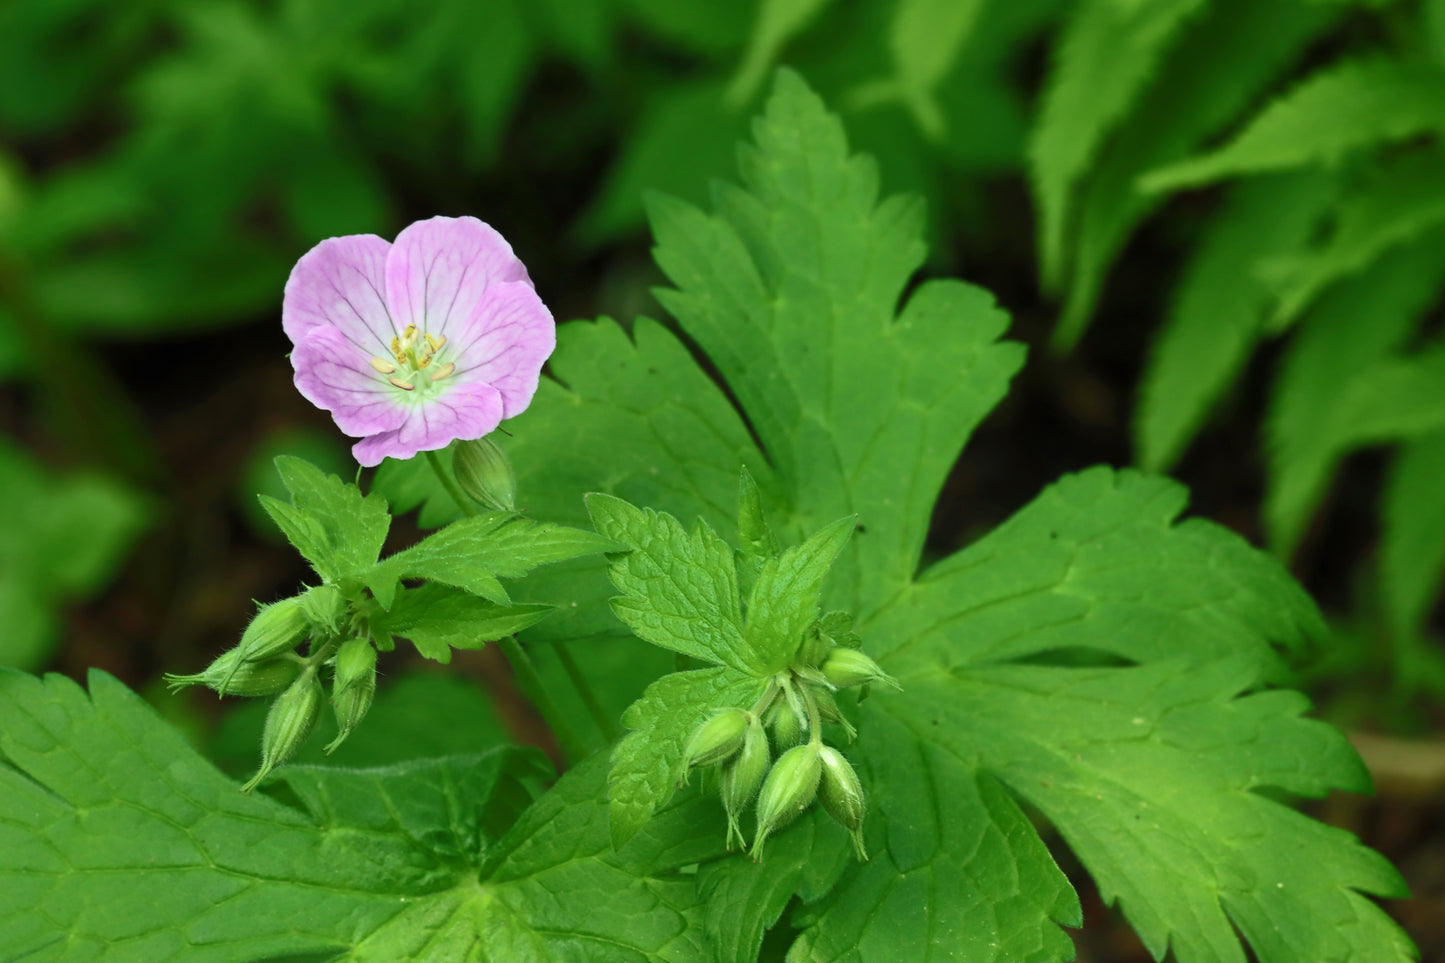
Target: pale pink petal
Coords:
[(440, 268), (341, 282), (505, 342), (334, 374), (463, 411)]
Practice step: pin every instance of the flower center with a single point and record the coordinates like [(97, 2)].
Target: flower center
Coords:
[(413, 357)]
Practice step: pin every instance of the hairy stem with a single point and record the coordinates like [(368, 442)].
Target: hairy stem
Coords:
[(531, 685), (450, 484), (589, 698)]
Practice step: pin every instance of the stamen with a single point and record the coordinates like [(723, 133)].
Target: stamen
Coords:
[(408, 337), (443, 371), (424, 361), (382, 365), (403, 385), (396, 346), (436, 343)]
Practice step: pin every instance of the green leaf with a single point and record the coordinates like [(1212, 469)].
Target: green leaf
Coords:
[(1095, 564), (925, 38), (741, 898), (791, 288), (1218, 312), (438, 618), (1402, 200), (122, 844), (329, 521), (65, 537), (1109, 51), (1321, 395), (1159, 784), (680, 591), (474, 552), (956, 870), (1339, 109), (1412, 546), (784, 599), (649, 762), (677, 120), (776, 22), (1195, 94)]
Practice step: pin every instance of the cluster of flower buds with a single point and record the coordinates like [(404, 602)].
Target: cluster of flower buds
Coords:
[(266, 663), (796, 703)]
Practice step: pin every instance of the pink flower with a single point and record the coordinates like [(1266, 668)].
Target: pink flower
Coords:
[(412, 345)]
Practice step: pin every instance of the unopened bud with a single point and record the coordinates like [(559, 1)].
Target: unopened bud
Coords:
[(842, 796), (289, 722), (324, 606), (484, 472), (717, 738), (353, 688), (846, 667), (741, 777), (828, 711), (229, 673), (276, 629), (790, 788), (787, 726)]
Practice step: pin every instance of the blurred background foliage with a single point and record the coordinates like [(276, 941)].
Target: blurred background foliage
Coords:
[(1218, 223)]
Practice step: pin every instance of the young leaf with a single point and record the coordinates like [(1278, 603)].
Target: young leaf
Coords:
[(122, 844), (776, 22), (474, 552), (1218, 311), (328, 521), (784, 599), (439, 618), (1412, 547), (1195, 94), (1404, 199), (1339, 109), (1310, 424), (791, 289), (1108, 52), (924, 38), (680, 591), (649, 761)]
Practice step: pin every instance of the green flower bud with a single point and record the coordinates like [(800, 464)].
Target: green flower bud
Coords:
[(231, 674), (353, 687), (828, 710), (842, 796), (845, 667), (791, 785), (716, 739), (484, 472), (787, 726), (289, 722), (741, 777), (324, 606), (276, 629)]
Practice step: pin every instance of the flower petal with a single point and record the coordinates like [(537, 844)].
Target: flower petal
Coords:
[(341, 282), (334, 374), (464, 412), (504, 343), (440, 268)]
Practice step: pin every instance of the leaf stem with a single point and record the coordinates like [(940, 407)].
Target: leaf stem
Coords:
[(450, 484), (589, 698), (531, 685)]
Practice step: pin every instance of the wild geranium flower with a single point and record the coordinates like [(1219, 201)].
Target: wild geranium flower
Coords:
[(413, 344)]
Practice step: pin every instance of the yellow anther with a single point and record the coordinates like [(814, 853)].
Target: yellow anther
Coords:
[(436, 343), (408, 337), (382, 365), (424, 361), (443, 371), (403, 385), (396, 346)]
